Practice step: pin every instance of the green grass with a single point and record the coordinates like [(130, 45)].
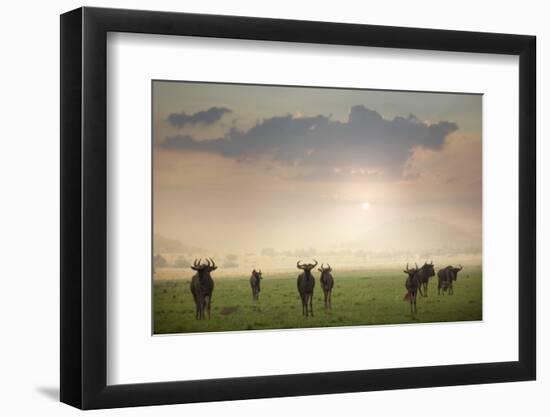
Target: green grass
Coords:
[(358, 298)]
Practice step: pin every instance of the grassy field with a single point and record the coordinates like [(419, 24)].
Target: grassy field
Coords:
[(358, 298)]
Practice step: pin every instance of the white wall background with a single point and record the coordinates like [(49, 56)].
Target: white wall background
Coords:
[(29, 226)]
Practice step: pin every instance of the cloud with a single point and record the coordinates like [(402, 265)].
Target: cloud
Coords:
[(457, 166), (205, 117), (367, 144)]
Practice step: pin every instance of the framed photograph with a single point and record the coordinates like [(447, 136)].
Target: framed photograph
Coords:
[(256, 208)]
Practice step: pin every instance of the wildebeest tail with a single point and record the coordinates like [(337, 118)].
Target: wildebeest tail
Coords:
[(407, 297)]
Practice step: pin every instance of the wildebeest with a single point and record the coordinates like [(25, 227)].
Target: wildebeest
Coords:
[(412, 284), (306, 284), (446, 276), (327, 283), (202, 286), (255, 284), (425, 272)]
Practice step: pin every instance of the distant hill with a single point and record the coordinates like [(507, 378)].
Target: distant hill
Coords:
[(163, 244), (427, 236)]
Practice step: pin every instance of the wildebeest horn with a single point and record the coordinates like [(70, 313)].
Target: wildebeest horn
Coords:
[(198, 265), (213, 264), (315, 263), (298, 265), (460, 266), (322, 267), (207, 262), (328, 265)]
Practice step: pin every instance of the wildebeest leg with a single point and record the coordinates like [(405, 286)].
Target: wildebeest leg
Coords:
[(302, 297), (425, 289), (209, 306), (200, 302), (311, 304), (330, 299)]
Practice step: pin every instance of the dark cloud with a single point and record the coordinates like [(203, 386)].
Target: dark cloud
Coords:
[(205, 117), (366, 144)]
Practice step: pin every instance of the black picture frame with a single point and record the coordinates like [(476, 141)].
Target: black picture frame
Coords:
[(84, 207)]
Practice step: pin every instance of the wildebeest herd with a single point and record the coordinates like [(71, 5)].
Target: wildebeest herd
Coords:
[(418, 278), (202, 284)]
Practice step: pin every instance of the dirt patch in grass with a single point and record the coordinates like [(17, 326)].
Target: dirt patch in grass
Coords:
[(228, 310)]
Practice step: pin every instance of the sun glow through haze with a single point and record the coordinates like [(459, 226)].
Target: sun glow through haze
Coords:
[(259, 174)]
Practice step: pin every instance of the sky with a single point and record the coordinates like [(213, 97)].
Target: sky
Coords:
[(278, 171)]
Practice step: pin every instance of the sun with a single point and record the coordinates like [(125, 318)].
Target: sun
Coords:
[(365, 206)]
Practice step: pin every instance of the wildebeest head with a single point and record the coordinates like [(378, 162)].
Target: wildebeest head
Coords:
[(204, 267), (257, 274), (411, 271), (306, 267), (428, 268), (323, 269), (455, 271)]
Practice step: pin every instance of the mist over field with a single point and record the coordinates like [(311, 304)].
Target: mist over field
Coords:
[(272, 262)]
